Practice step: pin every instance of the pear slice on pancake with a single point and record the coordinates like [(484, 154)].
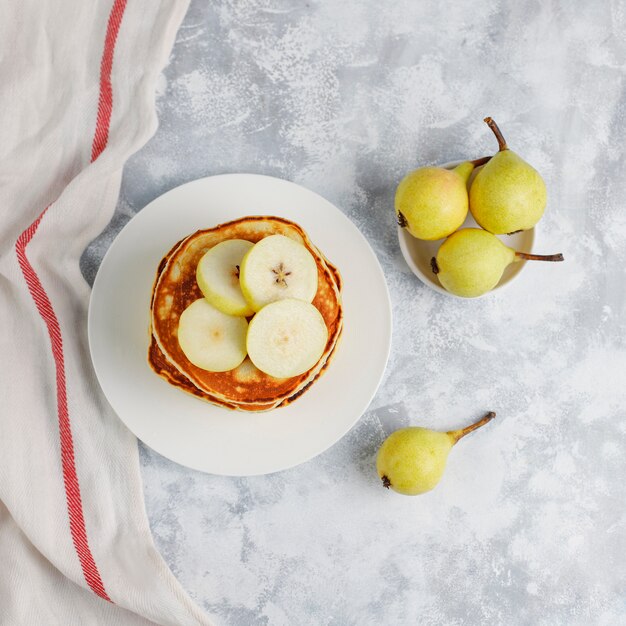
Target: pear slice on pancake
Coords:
[(276, 268), (286, 338), (210, 339), (218, 276)]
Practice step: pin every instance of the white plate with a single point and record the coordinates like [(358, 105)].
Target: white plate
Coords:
[(418, 253), (195, 433)]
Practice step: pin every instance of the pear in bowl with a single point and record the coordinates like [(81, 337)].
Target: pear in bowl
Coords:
[(508, 195), (432, 202), (471, 261)]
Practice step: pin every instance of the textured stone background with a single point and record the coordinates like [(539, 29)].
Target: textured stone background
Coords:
[(528, 524)]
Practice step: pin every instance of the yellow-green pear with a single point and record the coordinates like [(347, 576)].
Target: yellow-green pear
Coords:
[(471, 261), (412, 460), (507, 195), (432, 202)]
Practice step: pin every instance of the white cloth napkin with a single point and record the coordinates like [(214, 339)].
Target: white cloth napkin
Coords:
[(76, 99)]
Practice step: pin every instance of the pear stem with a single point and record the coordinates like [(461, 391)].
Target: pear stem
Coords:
[(481, 161), (496, 131), (458, 434), (540, 257)]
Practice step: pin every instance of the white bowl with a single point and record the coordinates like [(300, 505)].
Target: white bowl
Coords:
[(418, 253)]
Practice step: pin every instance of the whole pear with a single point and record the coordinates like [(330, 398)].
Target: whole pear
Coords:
[(507, 195), (471, 261), (412, 460), (432, 202)]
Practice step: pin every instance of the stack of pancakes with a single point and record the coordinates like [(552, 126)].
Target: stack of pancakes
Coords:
[(244, 388)]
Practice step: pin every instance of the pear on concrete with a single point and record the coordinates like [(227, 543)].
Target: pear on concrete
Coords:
[(412, 460)]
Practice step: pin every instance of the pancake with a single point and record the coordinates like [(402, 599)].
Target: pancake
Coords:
[(245, 387), (175, 288)]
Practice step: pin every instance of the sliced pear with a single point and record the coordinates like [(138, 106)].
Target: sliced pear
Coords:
[(286, 338), (211, 339), (218, 276), (276, 268)]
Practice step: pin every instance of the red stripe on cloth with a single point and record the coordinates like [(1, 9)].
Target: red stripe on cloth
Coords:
[(70, 479), (105, 102), (44, 306)]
